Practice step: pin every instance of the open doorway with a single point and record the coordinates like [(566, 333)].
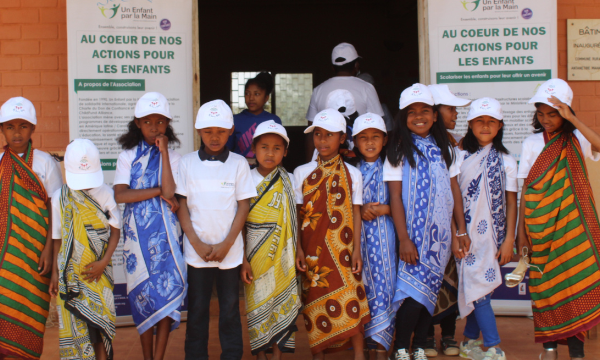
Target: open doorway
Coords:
[(293, 40)]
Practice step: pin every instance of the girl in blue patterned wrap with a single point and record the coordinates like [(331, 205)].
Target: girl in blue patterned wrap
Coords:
[(423, 196), (152, 255), (378, 238), (488, 182)]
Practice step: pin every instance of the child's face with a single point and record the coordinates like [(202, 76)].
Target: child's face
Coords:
[(270, 150), (151, 126), (549, 118), (17, 133), (256, 98), (420, 118), (449, 114), (370, 142), (485, 128), (214, 139), (328, 143)]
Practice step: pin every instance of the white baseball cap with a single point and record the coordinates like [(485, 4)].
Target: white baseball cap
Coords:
[(341, 98), (18, 108), (553, 87), (414, 94), (330, 120), (343, 53), (368, 121), (485, 106), (271, 127), (443, 96), (152, 103), (82, 165), (214, 113)]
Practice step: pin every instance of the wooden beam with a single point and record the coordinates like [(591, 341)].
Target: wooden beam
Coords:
[(423, 25), (195, 69)]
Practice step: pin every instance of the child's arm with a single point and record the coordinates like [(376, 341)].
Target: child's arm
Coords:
[(372, 210), (506, 249), (459, 217), (94, 271), (522, 240), (357, 262), (455, 244), (167, 181), (201, 248), (586, 131), (53, 289), (220, 250), (407, 251), (246, 270), (300, 258), (45, 263)]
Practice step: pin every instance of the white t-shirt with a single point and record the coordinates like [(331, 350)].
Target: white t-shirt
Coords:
[(303, 171), (103, 195), (212, 189), (510, 168), (47, 169), (257, 178), (394, 173), (123, 171), (534, 144), (365, 96)]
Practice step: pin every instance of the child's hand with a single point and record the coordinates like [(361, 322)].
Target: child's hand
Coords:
[(219, 251), (522, 241), (94, 271), (408, 252), (357, 262), (368, 211), (45, 263), (456, 249), (246, 272), (172, 202), (202, 249), (53, 288), (162, 142), (563, 109), (464, 243), (505, 253), (300, 260)]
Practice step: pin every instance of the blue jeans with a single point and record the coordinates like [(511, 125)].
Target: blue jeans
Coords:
[(483, 320), (200, 282)]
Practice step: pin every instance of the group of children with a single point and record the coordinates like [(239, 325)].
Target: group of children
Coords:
[(372, 241)]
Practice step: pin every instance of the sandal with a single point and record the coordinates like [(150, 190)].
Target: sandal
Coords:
[(554, 350), (518, 274)]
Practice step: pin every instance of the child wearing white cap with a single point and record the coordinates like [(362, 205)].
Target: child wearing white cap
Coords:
[(329, 196), (446, 310), (86, 223), (421, 175), (378, 238), (145, 183), (268, 264), (564, 234), (214, 187), (488, 183), (28, 177)]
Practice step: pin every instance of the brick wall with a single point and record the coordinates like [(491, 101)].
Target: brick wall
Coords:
[(33, 64)]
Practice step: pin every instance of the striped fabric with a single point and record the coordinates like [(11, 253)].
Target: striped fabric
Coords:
[(562, 223), (24, 297)]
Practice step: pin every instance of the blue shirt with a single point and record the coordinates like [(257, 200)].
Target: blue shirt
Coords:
[(240, 142)]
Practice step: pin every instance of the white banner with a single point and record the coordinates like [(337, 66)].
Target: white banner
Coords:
[(118, 50), (497, 48)]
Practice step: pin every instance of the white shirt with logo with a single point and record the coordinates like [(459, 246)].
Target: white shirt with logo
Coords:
[(212, 189), (302, 172), (47, 170)]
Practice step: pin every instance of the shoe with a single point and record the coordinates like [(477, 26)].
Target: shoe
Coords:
[(419, 354), (467, 347), (430, 347), (401, 354), (449, 346), (518, 274), (476, 354), (547, 351), (494, 354)]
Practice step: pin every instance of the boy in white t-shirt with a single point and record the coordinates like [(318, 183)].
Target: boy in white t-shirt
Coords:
[(214, 187), (28, 178)]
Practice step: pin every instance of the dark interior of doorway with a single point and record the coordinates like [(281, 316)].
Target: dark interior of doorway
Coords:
[(296, 36)]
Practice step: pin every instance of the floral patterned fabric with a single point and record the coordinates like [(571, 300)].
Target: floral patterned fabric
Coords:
[(335, 301), (378, 248), (482, 182), (428, 206), (155, 269)]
